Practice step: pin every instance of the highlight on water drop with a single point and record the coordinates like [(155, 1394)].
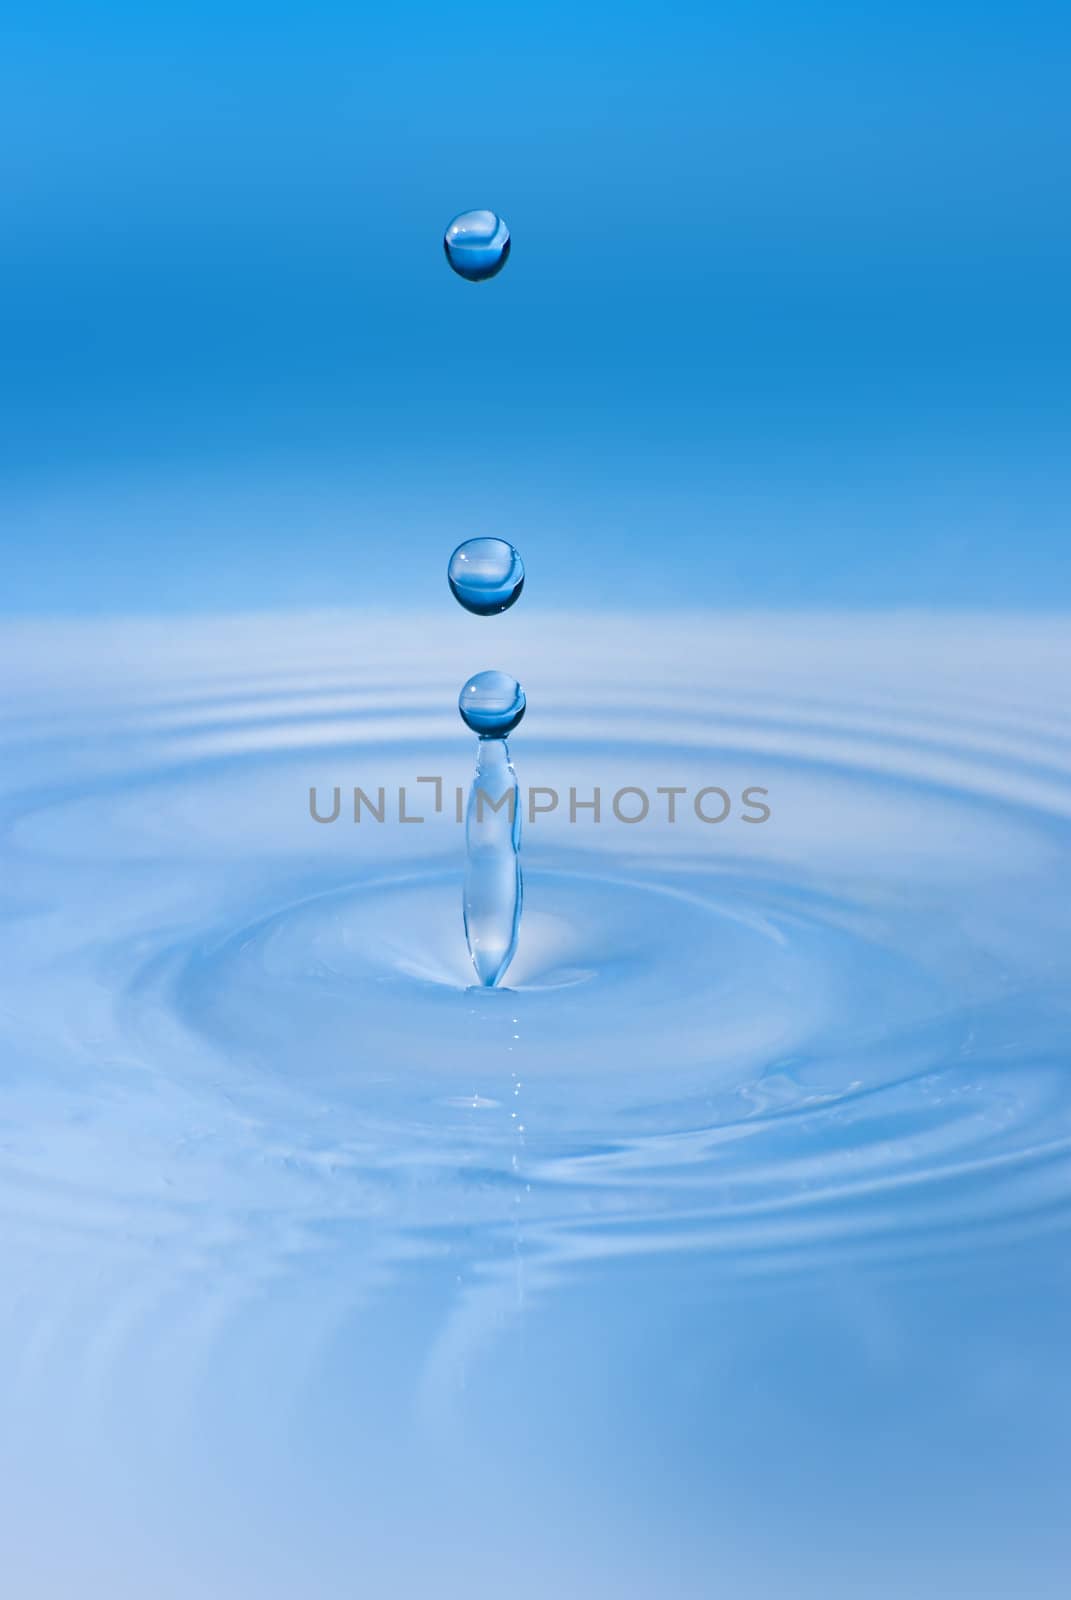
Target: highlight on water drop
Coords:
[(477, 245), (491, 704), (486, 575)]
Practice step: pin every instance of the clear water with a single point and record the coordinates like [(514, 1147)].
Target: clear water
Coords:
[(477, 245), (486, 576), (491, 704), (735, 1225), (493, 895)]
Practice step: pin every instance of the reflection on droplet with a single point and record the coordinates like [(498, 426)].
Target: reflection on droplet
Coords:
[(486, 575), (477, 245)]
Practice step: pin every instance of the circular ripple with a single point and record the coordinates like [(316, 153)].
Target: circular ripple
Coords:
[(844, 1028), (625, 992)]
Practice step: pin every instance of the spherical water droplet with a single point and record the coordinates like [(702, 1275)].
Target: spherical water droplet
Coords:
[(486, 575), (492, 704), (477, 245)]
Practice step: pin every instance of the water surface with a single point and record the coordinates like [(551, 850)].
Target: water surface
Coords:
[(724, 1248)]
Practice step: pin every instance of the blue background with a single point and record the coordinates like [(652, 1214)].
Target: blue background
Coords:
[(785, 325), (785, 321)]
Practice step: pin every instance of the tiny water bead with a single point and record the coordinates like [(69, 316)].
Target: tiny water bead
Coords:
[(477, 245), (486, 575), (491, 704)]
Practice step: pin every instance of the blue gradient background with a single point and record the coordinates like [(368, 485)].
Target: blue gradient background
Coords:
[(785, 329), (785, 323)]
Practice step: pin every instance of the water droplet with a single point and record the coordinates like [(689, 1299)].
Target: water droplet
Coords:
[(492, 704), (486, 575), (477, 245)]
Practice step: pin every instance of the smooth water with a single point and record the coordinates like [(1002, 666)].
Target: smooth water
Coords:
[(723, 1250), (486, 576), (477, 245)]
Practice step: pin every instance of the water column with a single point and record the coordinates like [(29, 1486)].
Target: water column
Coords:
[(492, 704), (486, 576)]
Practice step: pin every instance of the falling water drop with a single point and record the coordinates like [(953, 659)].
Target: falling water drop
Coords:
[(491, 704), (486, 575), (477, 245)]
